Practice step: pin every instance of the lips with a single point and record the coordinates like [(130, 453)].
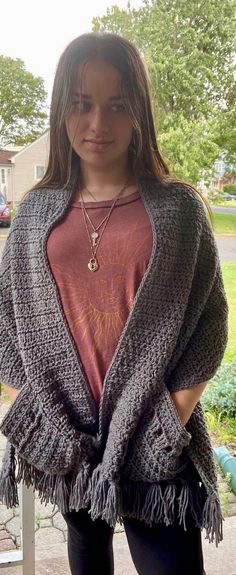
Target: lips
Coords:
[(99, 142), (97, 146)]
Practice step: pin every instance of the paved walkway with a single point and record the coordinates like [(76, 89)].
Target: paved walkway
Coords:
[(52, 560), (227, 248)]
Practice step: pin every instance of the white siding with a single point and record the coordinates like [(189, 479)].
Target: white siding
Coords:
[(25, 161)]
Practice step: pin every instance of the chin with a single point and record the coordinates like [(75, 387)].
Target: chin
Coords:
[(98, 158)]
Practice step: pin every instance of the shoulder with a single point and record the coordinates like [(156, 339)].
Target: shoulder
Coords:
[(185, 200), (183, 194), (182, 209), (35, 198), (187, 194)]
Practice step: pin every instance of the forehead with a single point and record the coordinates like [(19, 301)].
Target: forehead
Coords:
[(98, 77)]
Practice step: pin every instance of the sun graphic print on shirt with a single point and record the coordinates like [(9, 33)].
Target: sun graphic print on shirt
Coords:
[(97, 304)]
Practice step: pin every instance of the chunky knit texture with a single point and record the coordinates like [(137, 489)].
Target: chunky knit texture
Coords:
[(174, 338)]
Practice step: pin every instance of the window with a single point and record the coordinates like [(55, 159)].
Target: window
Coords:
[(3, 176), (39, 172)]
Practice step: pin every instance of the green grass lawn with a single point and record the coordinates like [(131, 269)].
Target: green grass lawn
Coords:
[(229, 276), (3, 393), (222, 431), (224, 223), (225, 204)]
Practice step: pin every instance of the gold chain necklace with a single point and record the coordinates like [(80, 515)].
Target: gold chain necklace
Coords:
[(95, 238), (95, 234)]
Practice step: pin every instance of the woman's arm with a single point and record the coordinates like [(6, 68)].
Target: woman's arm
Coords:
[(186, 399)]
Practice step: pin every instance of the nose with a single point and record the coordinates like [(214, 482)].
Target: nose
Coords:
[(98, 121)]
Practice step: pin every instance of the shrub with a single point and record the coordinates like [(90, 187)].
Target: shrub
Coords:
[(230, 189), (220, 393), (215, 196), (12, 213)]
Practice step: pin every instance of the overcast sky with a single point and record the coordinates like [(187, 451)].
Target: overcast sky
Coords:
[(38, 32)]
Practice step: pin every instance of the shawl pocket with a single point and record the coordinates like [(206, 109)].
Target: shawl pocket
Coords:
[(156, 450), (45, 443)]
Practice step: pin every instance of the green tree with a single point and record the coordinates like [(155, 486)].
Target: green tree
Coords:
[(226, 133), (189, 49), (22, 103)]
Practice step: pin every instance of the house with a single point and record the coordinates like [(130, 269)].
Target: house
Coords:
[(5, 171), (24, 168), (224, 173)]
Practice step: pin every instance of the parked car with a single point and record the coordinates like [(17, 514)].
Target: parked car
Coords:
[(5, 217), (227, 196)]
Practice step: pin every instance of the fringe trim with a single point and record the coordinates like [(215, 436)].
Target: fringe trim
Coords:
[(8, 484), (80, 488), (213, 519), (8, 491), (153, 508), (104, 497), (111, 499), (183, 501)]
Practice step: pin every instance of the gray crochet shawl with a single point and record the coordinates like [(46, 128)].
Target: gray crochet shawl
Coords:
[(73, 453)]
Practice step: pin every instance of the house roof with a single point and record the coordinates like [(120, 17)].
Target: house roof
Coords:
[(44, 135), (5, 157)]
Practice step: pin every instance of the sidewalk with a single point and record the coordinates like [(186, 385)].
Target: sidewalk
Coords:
[(52, 560)]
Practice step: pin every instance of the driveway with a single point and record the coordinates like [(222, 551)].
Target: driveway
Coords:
[(224, 209), (227, 248)]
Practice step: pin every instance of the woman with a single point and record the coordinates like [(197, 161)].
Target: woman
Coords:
[(113, 318)]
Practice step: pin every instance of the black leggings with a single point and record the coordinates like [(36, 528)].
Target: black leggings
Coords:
[(157, 550)]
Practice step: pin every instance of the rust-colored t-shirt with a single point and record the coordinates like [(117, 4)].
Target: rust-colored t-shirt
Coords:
[(97, 304)]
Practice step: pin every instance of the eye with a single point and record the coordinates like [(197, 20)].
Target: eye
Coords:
[(118, 107), (80, 105)]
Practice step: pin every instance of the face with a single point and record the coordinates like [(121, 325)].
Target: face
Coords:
[(98, 125)]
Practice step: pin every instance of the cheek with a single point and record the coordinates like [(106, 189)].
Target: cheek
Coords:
[(125, 131), (73, 126)]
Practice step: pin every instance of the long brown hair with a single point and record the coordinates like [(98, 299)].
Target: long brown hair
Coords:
[(145, 156)]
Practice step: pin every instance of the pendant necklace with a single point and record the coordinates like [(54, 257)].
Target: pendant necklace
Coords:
[(95, 237)]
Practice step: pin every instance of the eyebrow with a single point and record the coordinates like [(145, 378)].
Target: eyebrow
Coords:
[(87, 97)]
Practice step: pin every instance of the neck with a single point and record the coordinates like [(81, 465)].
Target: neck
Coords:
[(106, 183)]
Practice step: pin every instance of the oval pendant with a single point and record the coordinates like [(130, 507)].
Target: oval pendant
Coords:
[(93, 265)]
